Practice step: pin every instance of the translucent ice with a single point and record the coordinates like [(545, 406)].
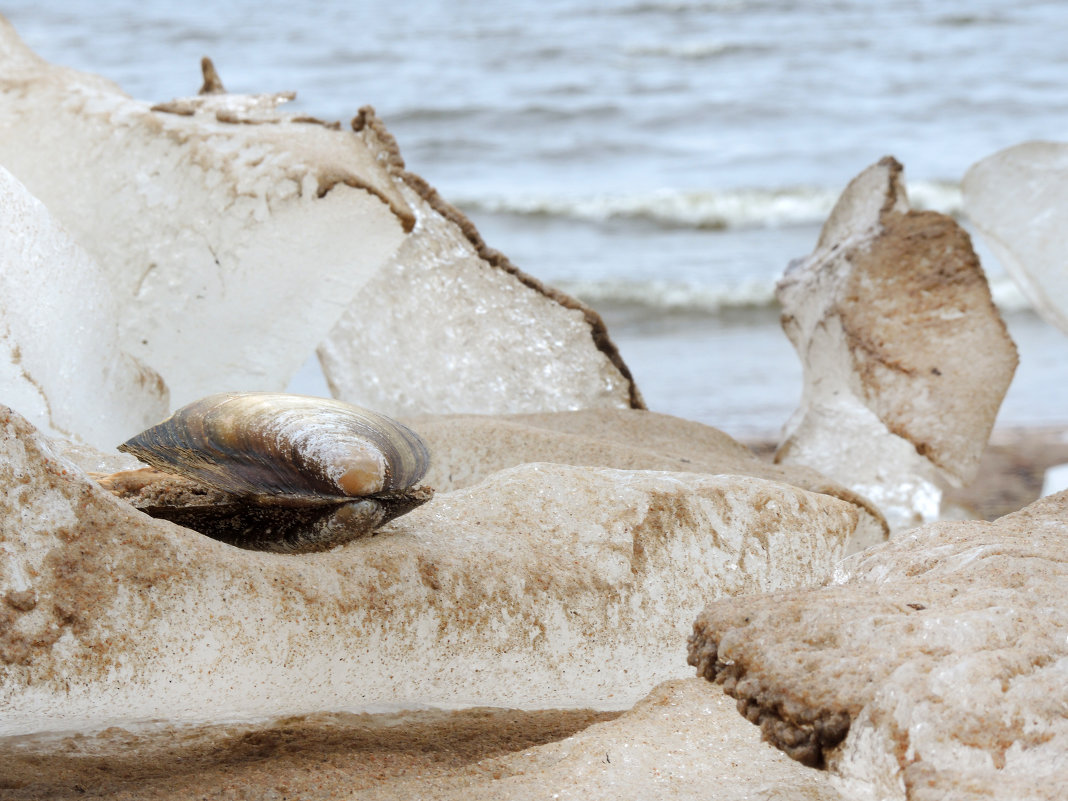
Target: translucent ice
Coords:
[(61, 364), (451, 326), (1018, 199), (231, 247)]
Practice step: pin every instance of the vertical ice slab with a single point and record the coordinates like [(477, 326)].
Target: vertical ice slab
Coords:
[(233, 236), (451, 326), (1018, 201), (905, 357), (61, 364)]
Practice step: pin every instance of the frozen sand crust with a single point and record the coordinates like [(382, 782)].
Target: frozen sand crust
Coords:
[(679, 742), (1017, 199), (230, 248), (905, 357), (455, 327), (468, 448), (61, 363), (682, 741), (543, 586), (935, 669)]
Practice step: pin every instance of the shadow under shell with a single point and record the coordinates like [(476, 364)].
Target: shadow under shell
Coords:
[(260, 523)]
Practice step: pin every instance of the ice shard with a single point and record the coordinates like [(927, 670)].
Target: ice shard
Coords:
[(905, 357), (452, 326), (1017, 200), (232, 235), (61, 362)]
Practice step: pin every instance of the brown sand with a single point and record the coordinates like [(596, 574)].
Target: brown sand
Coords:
[(1011, 471), (324, 756)]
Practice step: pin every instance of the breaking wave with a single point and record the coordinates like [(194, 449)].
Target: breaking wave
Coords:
[(704, 210), (667, 298), (671, 8), (692, 51)]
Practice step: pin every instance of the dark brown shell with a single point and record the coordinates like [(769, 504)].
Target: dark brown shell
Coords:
[(291, 448)]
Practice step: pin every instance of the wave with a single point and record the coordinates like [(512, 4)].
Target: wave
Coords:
[(704, 210), (971, 20), (671, 8), (692, 51), (668, 298), (472, 115)]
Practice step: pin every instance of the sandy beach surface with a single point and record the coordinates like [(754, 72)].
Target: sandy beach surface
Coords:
[(424, 753), (323, 756)]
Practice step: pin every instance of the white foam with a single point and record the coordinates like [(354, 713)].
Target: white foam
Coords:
[(674, 296), (688, 50), (709, 209), (681, 296)]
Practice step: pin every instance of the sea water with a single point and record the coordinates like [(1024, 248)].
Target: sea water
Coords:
[(661, 159)]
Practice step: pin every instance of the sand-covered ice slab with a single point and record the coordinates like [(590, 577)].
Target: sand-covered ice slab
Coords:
[(451, 326), (61, 364), (232, 235), (468, 448), (542, 586), (1018, 201), (937, 669), (679, 742), (682, 741), (905, 357)]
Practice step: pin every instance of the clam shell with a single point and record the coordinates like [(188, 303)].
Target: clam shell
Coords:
[(291, 448)]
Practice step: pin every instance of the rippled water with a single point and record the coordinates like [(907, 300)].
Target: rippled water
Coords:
[(664, 160)]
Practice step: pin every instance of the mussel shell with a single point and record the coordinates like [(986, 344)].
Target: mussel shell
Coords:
[(289, 447), (292, 529)]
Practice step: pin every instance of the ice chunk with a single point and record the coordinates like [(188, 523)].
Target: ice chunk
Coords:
[(905, 357), (1055, 479), (936, 668), (676, 743), (60, 360), (543, 586), (452, 326), (468, 448), (1017, 199), (233, 236)]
